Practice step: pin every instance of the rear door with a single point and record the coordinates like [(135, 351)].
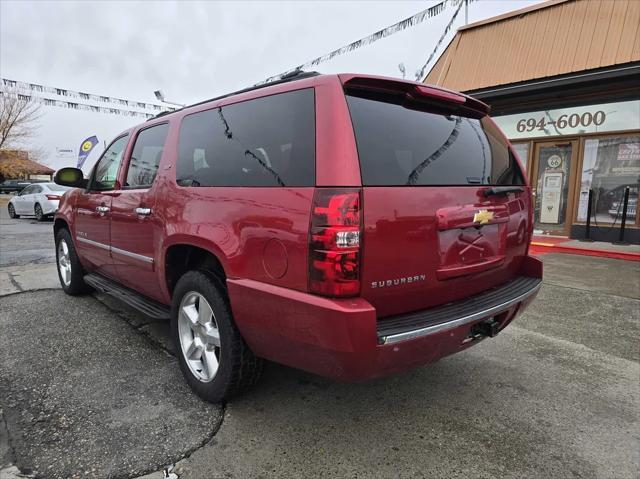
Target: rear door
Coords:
[(446, 208), (34, 197), (93, 210), (136, 227)]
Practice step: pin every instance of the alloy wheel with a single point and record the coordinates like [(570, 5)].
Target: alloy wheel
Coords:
[(38, 212), (64, 262), (199, 336), (12, 211)]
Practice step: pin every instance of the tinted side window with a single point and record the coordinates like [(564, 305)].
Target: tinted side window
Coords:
[(53, 187), (106, 171), (145, 157), (268, 141), (402, 146)]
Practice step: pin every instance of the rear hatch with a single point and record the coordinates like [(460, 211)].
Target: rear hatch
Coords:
[(446, 209)]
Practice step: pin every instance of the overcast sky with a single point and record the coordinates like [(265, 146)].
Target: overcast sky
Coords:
[(197, 50)]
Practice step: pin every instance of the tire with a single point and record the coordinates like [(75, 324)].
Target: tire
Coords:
[(12, 212), (237, 368), (72, 281), (37, 210)]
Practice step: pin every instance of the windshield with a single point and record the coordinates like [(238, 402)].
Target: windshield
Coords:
[(399, 146)]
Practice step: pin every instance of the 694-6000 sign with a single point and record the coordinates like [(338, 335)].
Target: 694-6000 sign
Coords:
[(573, 121)]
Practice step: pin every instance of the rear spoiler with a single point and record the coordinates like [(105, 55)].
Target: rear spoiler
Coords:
[(415, 94)]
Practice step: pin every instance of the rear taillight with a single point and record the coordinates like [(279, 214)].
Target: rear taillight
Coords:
[(334, 242), (53, 197)]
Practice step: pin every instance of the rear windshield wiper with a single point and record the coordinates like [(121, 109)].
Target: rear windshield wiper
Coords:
[(502, 190)]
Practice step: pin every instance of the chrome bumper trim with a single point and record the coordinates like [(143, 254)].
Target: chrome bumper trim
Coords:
[(438, 328)]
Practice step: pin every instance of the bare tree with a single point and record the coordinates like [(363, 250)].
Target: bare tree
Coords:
[(39, 155), (19, 115)]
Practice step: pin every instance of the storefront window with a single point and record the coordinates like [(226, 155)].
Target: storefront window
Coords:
[(609, 166), (522, 150), (552, 188)]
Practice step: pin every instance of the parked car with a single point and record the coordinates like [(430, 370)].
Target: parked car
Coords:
[(13, 186), (40, 200), (348, 225), (616, 201)]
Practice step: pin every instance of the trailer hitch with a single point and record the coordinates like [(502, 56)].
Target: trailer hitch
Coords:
[(488, 328)]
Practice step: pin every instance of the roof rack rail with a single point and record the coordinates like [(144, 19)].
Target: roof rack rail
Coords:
[(293, 76)]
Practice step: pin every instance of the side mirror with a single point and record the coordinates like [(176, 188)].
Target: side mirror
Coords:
[(70, 177)]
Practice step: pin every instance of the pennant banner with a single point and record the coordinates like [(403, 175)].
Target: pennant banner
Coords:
[(80, 106), (36, 90), (420, 73), (374, 37), (85, 148)]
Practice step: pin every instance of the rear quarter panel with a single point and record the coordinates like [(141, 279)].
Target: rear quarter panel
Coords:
[(258, 233)]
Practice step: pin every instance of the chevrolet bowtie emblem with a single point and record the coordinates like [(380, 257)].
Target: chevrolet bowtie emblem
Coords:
[(483, 217)]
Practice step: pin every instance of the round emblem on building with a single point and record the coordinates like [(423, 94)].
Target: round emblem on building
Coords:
[(554, 161)]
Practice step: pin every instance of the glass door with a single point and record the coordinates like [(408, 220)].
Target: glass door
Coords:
[(553, 182)]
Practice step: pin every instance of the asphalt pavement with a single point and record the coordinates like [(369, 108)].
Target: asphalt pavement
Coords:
[(24, 241), (89, 388)]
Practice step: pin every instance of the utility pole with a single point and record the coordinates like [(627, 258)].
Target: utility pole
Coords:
[(466, 12)]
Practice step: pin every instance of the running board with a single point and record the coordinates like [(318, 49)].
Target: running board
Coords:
[(146, 306)]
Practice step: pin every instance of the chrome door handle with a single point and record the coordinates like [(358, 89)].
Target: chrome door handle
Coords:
[(143, 211), (102, 209)]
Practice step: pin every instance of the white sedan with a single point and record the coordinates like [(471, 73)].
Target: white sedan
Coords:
[(39, 200)]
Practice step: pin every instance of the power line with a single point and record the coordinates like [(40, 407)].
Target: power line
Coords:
[(411, 21)]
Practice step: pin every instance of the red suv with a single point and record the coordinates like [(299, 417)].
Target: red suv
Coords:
[(349, 225)]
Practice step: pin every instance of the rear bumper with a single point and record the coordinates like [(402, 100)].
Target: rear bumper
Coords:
[(342, 339), (49, 207), (461, 313)]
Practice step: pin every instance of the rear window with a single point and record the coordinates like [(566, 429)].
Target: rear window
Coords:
[(268, 141), (401, 146)]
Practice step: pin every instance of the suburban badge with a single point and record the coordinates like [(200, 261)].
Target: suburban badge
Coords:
[(398, 281)]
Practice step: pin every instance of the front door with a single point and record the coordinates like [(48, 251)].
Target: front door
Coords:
[(553, 183), (135, 224), (93, 210)]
